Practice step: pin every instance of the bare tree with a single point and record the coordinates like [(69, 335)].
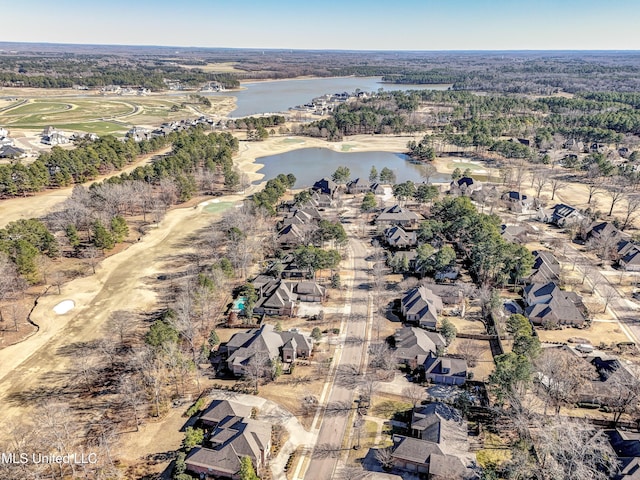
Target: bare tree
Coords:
[(616, 193), (561, 375), (122, 323), (414, 393), (557, 183), (92, 255), (573, 449), (623, 391), (469, 350), (539, 179), (593, 189), (608, 293), (631, 210), (385, 457), (132, 393), (257, 368)]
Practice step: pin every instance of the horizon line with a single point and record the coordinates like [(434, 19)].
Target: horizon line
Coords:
[(345, 50)]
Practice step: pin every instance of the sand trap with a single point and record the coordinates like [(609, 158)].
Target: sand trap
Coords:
[(64, 307)]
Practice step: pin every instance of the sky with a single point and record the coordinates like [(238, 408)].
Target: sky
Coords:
[(330, 24)]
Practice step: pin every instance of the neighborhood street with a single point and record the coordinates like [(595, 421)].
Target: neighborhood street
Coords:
[(348, 368)]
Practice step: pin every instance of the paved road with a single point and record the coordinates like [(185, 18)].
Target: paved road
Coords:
[(343, 390)]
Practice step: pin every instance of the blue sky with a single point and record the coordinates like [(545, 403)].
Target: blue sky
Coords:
[(331, 24)]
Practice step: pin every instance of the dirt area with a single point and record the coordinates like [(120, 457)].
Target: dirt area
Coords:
[(484, 365), (467, 325)]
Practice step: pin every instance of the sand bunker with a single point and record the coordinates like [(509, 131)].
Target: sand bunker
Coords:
[(64, 307)]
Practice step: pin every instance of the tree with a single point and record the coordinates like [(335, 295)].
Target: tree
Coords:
[(387, 176), (615, 194), (512, 371), (385, 457), (631, 211), (316, 334), (456, 174), (192, 438), (403, 191), (414, 393), (119, 228), (593, 189), (427, 171), (102, 238), (369, 202), (373, 174), (426, 193), (623, 391), (561, 376), (448, 331), (557, 183), (341, 175), (574, 449), (247, 471)]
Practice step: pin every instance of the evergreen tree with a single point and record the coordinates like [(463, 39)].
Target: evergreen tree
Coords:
[(119, 228), (102, 238), (247, 471)]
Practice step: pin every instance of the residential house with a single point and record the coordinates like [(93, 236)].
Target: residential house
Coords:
[(440, 423), (628, 256), (359, 185), (396, 237), (7, 151), (376, 188), (396, 215), (548, 305), (422, 306), (263, 344), (464, 186), (445, 370), (309, 291), (231, 440), (412, 343), (545, 269), (449, 274), (564, 215), (219, 410), (517, 202), (51, 136), (292, 236), (4, 132), (627, 447), (138, 134), (321, 200), (326, 186), (514, 233), (601, 231), (275, 297)]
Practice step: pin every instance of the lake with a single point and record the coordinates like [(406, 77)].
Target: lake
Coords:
[(279, 96), (311, 164)]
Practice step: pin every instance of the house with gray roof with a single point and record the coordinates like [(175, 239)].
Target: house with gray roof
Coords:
[(548, 304), (444, 370), (412, 343), (264, 344), (563, 215), (464, 186), (422, 306), (601, 231), (438, 447), (359, 185), (397, 237), (628, 256), (397, 215), (517, 201), (232, 439), (9, 151), (545, 269), (326, 186)]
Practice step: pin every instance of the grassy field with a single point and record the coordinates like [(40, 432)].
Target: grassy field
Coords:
[(104, 115)]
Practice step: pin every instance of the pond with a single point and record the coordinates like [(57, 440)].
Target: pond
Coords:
[(311, 164), (280, 95)]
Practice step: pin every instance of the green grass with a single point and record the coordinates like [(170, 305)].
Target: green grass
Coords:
[(494, 453), (346, 147), (387, 409), (218, 207), (465, 165)]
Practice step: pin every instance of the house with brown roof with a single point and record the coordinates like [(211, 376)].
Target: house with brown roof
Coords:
[(219, 410), (422, 306)]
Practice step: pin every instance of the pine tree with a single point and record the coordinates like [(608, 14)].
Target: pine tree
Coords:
[(102, 238), (246, 470), (119, 228)]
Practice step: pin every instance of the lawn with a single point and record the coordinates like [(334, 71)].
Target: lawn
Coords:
[(495, 452), (598, 332), (218, 207)]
